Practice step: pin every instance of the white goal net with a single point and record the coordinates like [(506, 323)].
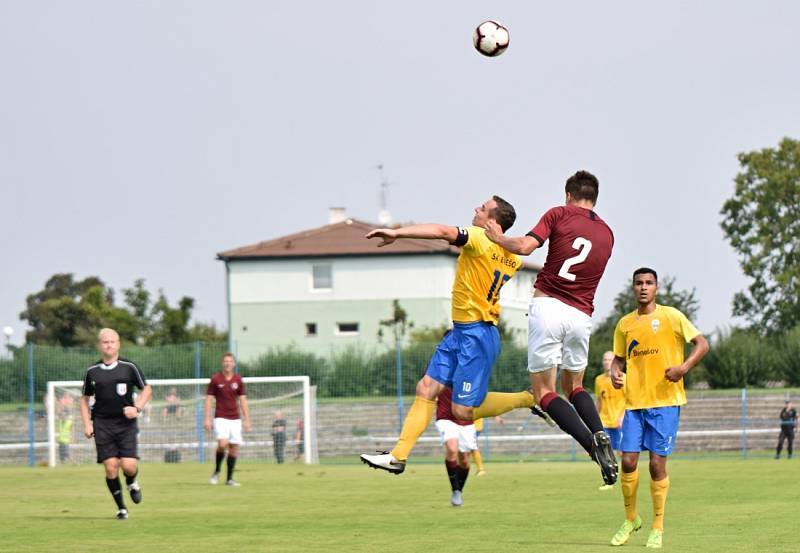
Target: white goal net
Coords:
[(282, 413)]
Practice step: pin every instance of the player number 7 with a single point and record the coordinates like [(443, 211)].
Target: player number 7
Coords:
[(585, 247)]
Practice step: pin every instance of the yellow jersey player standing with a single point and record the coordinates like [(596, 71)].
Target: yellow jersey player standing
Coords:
[(610, 406), (464, 358), (650, 342)]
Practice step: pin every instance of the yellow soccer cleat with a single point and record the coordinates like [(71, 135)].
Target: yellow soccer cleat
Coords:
[(654, 539), (628, 527), (606, 487)]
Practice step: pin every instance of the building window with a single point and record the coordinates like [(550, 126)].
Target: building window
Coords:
[(311, 329), (322, 277), (347, 329)]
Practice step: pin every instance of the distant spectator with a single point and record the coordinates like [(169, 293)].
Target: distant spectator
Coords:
[(279, 436), (172, 408), (65, 433), (299, 438), (788, 428)]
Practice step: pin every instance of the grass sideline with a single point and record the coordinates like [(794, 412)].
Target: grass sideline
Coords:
[(714, 505)]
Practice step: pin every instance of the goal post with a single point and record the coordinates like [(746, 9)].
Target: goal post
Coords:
[(171, 425)]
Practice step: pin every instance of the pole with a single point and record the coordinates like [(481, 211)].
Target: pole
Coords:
[(399, 370), (31, 402), (744, 423), (198, 410)]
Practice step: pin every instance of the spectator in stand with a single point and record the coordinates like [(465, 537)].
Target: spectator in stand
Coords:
[(788, 428)]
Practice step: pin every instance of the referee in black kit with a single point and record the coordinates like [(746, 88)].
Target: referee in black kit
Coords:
[(113, 416)]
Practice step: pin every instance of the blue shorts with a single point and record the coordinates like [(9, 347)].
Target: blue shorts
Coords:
[(616, 437), (463, 361), (653, 429)]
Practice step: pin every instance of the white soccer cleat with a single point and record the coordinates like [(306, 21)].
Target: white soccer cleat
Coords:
[(214, 480), (232, 483), (384, 461), (456, 499)]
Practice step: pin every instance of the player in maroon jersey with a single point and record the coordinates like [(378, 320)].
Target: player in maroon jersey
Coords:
[(560, 312), (459, 439), (227, 388)]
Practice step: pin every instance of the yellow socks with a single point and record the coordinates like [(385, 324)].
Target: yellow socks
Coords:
[(476, 456), (497, 403), (416, 421), (658, 491), (630, 485)]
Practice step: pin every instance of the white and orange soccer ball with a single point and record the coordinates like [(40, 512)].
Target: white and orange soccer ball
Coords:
[(490, 38)]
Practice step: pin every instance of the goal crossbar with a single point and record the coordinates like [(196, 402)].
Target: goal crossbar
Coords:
[(305, 381)]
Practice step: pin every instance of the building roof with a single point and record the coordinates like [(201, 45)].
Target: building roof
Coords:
[(345, 238)]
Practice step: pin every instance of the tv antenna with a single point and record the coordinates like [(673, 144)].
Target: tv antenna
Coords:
[(384, 217)]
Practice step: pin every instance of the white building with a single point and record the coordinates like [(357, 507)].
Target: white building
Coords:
[(329, 286)]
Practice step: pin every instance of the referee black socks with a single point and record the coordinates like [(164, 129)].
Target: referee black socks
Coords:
[(131, 479), (116, 491)]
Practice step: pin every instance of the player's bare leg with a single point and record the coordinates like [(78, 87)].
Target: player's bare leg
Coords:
[(414, 425), (130, 467), (111, 466)]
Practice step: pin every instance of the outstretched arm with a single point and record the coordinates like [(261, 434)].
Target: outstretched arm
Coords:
[(424, 232), (520, 245)]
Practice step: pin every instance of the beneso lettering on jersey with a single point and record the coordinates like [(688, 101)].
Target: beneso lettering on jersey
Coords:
[(503, 260)]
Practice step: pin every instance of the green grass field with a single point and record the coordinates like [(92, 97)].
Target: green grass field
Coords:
[(721, 505)]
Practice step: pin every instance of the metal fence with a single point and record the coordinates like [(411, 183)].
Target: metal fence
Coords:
[(362, 395)]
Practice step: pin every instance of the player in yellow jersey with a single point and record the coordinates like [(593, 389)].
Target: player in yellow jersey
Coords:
[(464, 358), (610, 406), (650, 343)]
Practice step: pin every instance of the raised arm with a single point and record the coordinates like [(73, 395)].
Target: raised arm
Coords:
[(520, 245), (424, 232)]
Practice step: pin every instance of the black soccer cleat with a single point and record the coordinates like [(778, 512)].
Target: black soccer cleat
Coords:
[(539, 412), (122, 514), (604, 456), (136, 492), (385, 461)]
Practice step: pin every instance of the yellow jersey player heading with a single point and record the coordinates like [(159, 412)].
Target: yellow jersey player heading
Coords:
[(464, 358), (482, 269)]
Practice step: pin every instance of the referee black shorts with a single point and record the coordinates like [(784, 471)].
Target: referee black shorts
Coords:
[(115, 437)]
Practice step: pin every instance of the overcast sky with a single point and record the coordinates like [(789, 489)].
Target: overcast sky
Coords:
[(138, 139)]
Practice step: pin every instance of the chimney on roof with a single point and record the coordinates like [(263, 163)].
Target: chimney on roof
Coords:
[(336, 215)]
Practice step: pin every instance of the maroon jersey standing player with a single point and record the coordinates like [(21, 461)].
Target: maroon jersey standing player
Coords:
[(459, 440), (227, 388), (560, 312)]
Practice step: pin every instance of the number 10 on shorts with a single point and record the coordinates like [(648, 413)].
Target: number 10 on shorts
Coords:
[(466, 387)]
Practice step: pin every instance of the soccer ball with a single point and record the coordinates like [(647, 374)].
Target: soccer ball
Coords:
[(490, 38)]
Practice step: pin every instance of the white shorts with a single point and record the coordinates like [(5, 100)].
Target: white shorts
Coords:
[(467, 439), (558, 336), (228, 429)]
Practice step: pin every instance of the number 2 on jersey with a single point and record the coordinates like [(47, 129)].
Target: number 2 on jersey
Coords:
[(494, 289), (585, 247)]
